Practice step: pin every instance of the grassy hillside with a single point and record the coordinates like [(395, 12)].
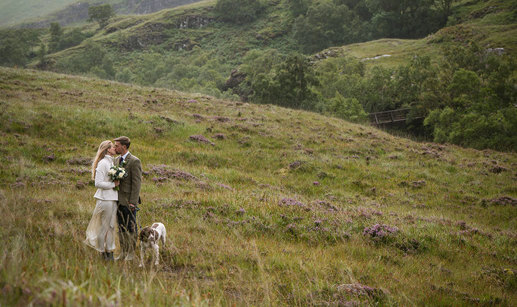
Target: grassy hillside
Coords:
[(280, 208), (190, 49), (13, 11), (76, 13), (492, 24)]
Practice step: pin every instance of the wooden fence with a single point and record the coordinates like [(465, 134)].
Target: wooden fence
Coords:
[(389, 117)]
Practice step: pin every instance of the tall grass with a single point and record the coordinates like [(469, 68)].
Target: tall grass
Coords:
[(274, 213)]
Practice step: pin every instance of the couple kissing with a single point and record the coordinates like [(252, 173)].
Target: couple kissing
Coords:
[(118, 181)]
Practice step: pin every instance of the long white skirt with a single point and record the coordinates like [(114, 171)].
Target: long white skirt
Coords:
[(100, 233)]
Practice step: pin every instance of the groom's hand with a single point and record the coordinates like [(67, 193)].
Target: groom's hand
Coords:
[(132, 207)]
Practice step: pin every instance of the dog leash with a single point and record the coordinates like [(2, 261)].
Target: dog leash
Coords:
[(138, 225)]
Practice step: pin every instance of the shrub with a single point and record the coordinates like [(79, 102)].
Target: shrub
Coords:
[(238, 11)]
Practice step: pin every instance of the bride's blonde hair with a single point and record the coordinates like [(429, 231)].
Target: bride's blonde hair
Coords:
[(101, 153)]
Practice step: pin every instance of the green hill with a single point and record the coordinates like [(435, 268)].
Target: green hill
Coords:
[(263, 205), (492, 24), (12, 11), (454, 71), (36, 14)]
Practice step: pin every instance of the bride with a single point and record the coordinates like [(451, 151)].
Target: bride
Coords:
[(100, 233)]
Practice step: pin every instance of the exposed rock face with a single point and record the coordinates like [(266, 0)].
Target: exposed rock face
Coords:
[(194, 22), (236, 78), (186, 44)]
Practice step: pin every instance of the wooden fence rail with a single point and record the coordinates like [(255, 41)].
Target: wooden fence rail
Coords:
[(388, 117)]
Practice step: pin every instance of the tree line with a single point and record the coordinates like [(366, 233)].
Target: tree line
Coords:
[(319, 24)]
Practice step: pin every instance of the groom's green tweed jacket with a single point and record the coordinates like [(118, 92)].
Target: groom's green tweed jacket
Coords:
[(129, 188)]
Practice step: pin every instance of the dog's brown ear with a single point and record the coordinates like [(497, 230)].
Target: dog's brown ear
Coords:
[(144, 234)]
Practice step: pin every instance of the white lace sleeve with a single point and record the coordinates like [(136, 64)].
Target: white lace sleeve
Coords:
[(101, 174)]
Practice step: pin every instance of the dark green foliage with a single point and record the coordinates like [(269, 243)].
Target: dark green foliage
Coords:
[(101, 14), (56, 34), (407, 19), (346, 108), (298, 7), (200, 72), (326, 23), (73, 38), (93, 58), (468, 100), (479, 110), (60, 40), (16, 46), (238, 11), (41, 54), (341, 86), (287, 84)]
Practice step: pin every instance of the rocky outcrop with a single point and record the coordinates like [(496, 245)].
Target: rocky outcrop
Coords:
[(186, 44), (236, 78), (194, 22), (233, 82)]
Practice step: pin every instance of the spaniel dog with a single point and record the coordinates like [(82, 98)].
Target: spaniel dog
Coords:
[(149, 237)]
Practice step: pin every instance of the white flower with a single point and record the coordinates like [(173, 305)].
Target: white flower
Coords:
[(121, 175)]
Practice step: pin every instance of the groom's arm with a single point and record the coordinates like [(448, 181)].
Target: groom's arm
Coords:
[(136, 182)]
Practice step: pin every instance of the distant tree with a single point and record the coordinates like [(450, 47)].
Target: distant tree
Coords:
[(346, 108), (92, 58), (444, 7), (403, 19), (41, 54), (12, 53), (16, 46), (289, 84), (238, 11), (480, 103), (325, 24), (298, 7), (56, 34), (124, 75), (101, 14), (73, 38)]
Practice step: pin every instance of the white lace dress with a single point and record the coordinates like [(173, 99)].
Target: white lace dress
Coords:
[(100, 233)]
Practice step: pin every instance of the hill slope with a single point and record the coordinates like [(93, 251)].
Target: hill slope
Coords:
[(28, 13), (191, 49), (77, 12), (491, 24), (13, 11), (277, 207)]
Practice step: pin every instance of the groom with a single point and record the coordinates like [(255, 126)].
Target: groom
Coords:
[(128, 198)]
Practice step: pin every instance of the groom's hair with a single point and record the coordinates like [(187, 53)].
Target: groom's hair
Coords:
[(123, 140)]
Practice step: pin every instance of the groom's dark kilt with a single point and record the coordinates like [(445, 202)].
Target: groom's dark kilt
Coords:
[(127, 228)]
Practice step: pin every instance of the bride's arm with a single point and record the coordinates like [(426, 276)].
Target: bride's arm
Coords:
[(100, 174)]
